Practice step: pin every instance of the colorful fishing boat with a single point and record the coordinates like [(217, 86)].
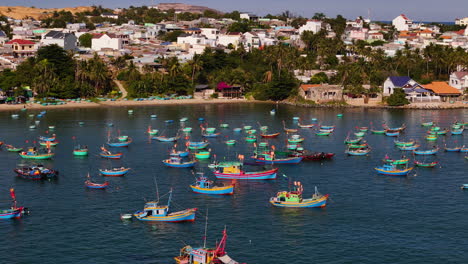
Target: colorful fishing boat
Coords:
[(427, 124), (198, 145), (210, 135), (175, 161), (426, 165), (360, 134), (269, 158), (394, 129), (92, 185), (109, 155), (414, 147), (14, 211), (295, 198), (203, 154), (327, 127), (289, 130), (404, 143), (234, 170), (392, 170), (295, 139), (48, 143), (204, 255), (323, 133), (454, 149), (358, 146), (45, 138), (250, 138), (457, 131), (187, 129), (464, 149), (38, 172), (80, 151), (11, 148), (166, 139), (224, 125), (205, 186), (152, 132), (426, 152), (273, 135), (32, 153), (392, 134), (358, 152), (160, 213), (305, 126), (396, 162), (114, 172), (231, 142), (363, 129), (352, 141), (122, 138), (379, 132), (120, 143)]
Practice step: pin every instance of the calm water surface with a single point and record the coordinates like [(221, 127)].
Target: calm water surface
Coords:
[(370, 218)]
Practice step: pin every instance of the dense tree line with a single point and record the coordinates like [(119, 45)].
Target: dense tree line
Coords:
[(54, 73)]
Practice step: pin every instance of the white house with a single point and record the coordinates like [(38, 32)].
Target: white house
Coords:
[(210, 33), (191, 39), (233, 38), (311, 25), (466, 31), (65, 40), (76, 26), (251, 41), (110, 15), (459, 80), (402, 23), (393, 82), (105, 41), (461, 21)]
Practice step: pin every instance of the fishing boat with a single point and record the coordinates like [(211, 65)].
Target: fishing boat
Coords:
[(11, 148), (230, 142), (323, 133), (358, 146), (305, 126), (205, 186), (426, 152), (120, 143), (224, 125), (363, 129), (339, 115), (237, 129), (427, 124), (270, 158), (396, 162), (436, 128), (203, 154), (295, 139), (247, 127), (250, 138), (92, 185), (315, 156), (358, 152), (109, 155), (454, 149), (392, 134), (166, 139), (210, 135), (14, 211), (414, 147), (187, 129), (273, 135), (155, 212), (352, 141), (80, 151), (442, 132), (392, 170), (183, 119), (464, 149), (360, 134), (38, 172), (404, 143), (394, 129), (114, 172), (32, 153), (48, 143), (122, 138), (204, 255), (234, 170), (289, 130), (426, 165), (45, 138), (379, 132), (198, 145), (457, 131), (431, 137), (464, 186), (175, 161), (272, 111), (327, 128), (295, 198)]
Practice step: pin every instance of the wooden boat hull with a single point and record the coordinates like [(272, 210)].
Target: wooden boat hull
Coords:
[(111, 156), (392, 134), (291, 160), (119, 144), (47, 174), (354, 153), (425, 152), (37, 157), (11, 213), (187, 215), (179, 165), (203, 155), (14, 149), (426, 165), (394, 172), (220, 190), (323, 133), (92, 185), (306, 203), (113, 173), (411, 148), (263, 175), (165, 139), (270, 135), (452, 149), (379, 132)]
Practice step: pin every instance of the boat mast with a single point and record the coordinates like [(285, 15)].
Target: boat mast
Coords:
[(157, 190), (206, 229), (170, 197)]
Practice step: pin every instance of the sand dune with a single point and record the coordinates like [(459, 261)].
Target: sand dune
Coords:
[(20, 12)]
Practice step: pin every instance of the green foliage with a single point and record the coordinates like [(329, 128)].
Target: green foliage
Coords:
[(214, 96), (239, 27), (319, 78), (172, 36), (397, 98), (85, 40), (377, 43)]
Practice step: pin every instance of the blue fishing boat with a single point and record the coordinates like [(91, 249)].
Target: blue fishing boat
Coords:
[(205, 186), (295, 198), (456, 131), (413, 147), (358, 152), (426, 152), (120, 143), (175, 161), (464, 149), (14, 211), (454, 149), (197, 145), (114, 172), (392, 134), (392, 170), (38, 172), (272, 111), (155, 212), (234, 171), (45, 138), (267, 158), (237, 129), (211, 135), (109, 155)]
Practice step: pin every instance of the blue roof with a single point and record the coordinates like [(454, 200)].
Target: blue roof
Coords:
[(399, 81), (166, 43), (2, 34)]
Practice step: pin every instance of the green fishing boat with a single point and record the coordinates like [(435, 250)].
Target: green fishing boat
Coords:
[(230, 142), (203, 155), (251, 138)]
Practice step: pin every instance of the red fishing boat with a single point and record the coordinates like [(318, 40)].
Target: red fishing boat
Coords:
[(269, 135)]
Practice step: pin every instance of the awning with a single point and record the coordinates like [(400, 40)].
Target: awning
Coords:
[(227, 260)]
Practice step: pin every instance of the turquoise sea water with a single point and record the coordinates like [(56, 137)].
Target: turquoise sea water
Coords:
[(369, 219)]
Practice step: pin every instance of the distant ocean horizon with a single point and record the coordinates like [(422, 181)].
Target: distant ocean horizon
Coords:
[(424, 22)]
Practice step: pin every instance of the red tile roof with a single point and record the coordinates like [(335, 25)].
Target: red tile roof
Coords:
[(21, 42), (442, 88), (306, 87)]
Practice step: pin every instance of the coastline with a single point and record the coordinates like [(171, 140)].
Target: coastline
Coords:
[(122, 103)]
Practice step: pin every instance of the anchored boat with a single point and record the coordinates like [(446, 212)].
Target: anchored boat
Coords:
[(205, 186), (295, 199)]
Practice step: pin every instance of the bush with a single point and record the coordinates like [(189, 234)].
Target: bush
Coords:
[(398, 98), (214, 95)]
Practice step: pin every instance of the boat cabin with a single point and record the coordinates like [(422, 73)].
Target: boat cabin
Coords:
[(284, 196), (233, 168), (175, 159), (152, 208)]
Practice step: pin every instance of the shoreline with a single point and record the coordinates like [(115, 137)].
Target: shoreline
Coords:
[(121, 103)]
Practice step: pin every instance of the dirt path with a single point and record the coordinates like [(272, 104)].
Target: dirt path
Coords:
[(121, 88)]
